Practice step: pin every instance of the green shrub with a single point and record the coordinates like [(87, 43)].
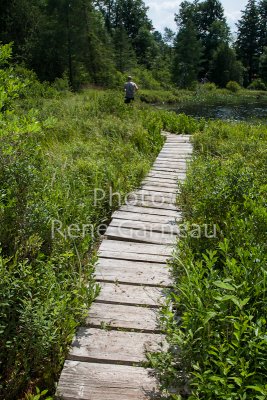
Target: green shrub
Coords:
[(180, 123), (208, 87), (216, 325), (257, 84), (144, 78), (233, 86), (55, 149)]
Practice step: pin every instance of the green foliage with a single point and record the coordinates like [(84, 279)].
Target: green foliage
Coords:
[(216, 319), (263, 65), (54, 151), (233, 86), (210, 24), (247, 39), (257, 84), (225, 67), (145, 79), (208, 87), (180, 124), (39, 394), (188, 55)]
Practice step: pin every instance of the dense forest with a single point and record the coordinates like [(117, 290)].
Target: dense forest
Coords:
[(98, 41)]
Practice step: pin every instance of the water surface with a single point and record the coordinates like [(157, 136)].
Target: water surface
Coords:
[(244, 112)]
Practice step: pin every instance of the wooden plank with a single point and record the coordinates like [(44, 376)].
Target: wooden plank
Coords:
[(114, 347), (148, 226), (118, 316), (125, 255), (118, 293), (133, 272), (181, 162), (170, 169), (160, 176), (145, 192), (176, 149), (160, 188), (148, 210), (170, 164), (93, 381), (139, 202), (140, 236), (152, 196), (157, 249), (172, 178), (181, 137), (165, 181), (160, 183), (172, 152), (143, 217)]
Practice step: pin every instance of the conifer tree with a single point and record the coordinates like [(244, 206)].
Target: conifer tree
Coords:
[(210, 23), (188, 52), (262, 8), (263, 65), (224, 66), (247, 43)]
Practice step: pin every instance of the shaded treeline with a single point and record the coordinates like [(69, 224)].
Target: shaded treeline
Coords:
[(98, 41)]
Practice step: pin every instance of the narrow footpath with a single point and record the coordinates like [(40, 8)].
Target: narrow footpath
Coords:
[(106, 357)]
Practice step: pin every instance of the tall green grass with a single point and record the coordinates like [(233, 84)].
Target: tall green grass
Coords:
[(216, 316), (55, 149)]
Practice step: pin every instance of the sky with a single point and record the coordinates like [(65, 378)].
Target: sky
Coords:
[(161, 12)]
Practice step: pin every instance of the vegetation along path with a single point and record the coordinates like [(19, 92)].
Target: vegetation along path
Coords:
[(106, 357)]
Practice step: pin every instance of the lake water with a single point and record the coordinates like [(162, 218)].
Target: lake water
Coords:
[(244, 112)]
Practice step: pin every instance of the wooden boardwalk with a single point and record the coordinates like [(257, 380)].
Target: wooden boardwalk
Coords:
[(105, 360)]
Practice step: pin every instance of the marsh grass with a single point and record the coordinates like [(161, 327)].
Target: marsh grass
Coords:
[(215, 319), (202, 94), (55, 149)]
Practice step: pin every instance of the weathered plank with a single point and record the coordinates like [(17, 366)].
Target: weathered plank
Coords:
[(152, 197), (153, 193), (118, 293), (118, 316), (114, 347), (166, 155), (148, 210), (140, 235), (167, 174), (150, 226), (160, 189), (133, 272), (143, 217), (125, 255), (158, 168), (93, 381), (171, 161), (160, 183), (144, 248), (139, 202)]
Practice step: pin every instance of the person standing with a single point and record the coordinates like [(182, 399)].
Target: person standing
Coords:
[(130, 88)]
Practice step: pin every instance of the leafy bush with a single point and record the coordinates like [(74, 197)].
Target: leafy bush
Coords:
[(208, 87), (144, 78), (216, 324), (54, 151), (233, 86), (257, 84)]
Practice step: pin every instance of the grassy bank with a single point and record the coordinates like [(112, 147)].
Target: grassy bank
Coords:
[(216, 317), (203, 94), (56, 148)]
